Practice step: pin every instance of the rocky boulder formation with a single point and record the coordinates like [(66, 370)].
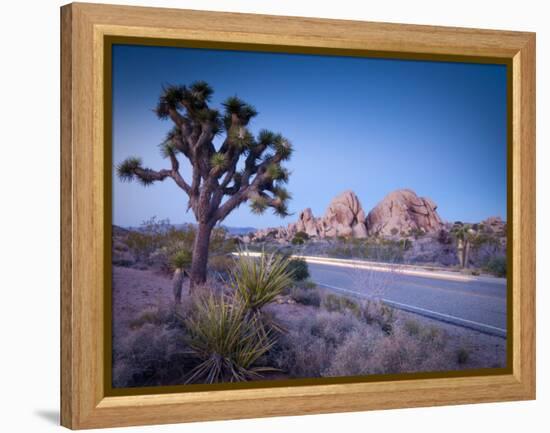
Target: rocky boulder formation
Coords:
[(402, 212), (306, 223), (344, 217)]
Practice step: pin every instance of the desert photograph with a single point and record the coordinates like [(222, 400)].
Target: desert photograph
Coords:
[(278, 217)]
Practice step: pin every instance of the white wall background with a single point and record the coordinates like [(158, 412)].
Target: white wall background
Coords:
[(29, 244)]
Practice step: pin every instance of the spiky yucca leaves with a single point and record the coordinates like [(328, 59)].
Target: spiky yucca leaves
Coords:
[(218, 160), (228, 343), (258, 281), (258, 205), (126, 169), (181, 259)]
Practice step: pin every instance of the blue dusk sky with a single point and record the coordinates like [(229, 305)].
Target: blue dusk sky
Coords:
[(369, 125)]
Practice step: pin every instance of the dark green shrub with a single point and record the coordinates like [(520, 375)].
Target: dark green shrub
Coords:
[(299, 269), (300, 238), (497, 266)]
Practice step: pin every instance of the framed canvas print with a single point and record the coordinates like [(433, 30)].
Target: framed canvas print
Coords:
[(270, 216)]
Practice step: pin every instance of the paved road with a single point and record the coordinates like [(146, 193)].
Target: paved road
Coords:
[(477, 304)]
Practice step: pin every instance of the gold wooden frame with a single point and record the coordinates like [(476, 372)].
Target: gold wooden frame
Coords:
[(84, 403)]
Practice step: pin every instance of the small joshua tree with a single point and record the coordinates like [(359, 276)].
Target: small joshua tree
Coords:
[(464, 235), (180, 262), (243, 168)]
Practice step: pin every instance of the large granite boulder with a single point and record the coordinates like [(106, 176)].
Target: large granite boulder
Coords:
[(403, 212), (306, 223), (344, 217)]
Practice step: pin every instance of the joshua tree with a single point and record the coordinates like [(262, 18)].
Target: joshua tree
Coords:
[(464, 235), (241, 168)]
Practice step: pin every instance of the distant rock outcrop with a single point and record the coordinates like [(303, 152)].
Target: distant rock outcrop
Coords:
[(344, 217), (403, 212)]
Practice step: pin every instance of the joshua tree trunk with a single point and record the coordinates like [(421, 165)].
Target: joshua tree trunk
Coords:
[(200, 255), (466, 253), (177, 284), (460, 252)]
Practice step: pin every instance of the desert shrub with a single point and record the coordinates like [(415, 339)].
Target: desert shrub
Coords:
[(307, 348), (497, 266), (306, 296), (149, 356), (227, 342), (374, 311), (299, 269), (258, 282), (412, 327), (462, 355), (181, 259), (221, 265), (300, 238), (340, 304), (352, 357)]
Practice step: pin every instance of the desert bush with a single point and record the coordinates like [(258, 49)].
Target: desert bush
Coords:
[(300, 238), (258, 282), (227, 342), (375, 311), (151, 355), (307, 348), (181, 259), (221, 265), (306, 296), (299, 269), (497, 266), (412, 327), (340, 304)]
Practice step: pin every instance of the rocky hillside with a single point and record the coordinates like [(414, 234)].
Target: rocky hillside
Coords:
[(401, 212)]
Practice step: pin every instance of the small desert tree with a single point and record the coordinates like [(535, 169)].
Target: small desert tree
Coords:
[(242, 168), (464, 235)]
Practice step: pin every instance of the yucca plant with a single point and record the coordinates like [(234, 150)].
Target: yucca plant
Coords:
[(257, 282), (180, 262), (228, 343)]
